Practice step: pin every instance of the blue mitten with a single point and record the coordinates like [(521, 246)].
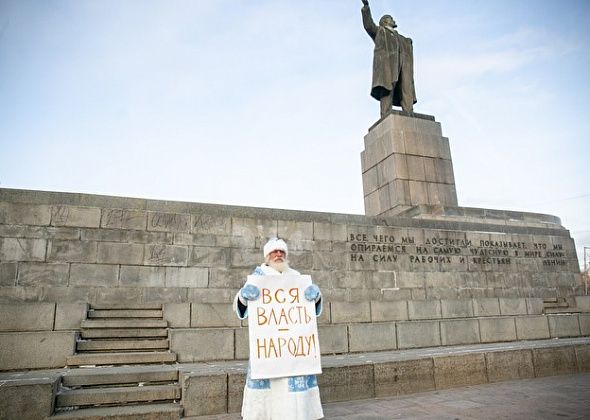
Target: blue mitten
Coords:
[(312, 292), (249, 292)]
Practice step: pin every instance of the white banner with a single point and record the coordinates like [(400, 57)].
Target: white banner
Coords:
[(282, 328)]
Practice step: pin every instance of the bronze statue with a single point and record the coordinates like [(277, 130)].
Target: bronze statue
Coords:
[(393, 63)]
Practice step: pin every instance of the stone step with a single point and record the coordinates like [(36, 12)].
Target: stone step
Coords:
[(124, 323), (117, 395), (112, 306), (126, 412), (550, 299), (560, 304), (565, 310), (124, 333), (119, 375), (125, 313), (90, 359), (110, 345)]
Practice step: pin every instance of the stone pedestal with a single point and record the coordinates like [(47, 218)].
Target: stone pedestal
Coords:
[(406, 162)]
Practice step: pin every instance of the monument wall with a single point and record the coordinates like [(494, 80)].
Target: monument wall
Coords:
[(62, 247)]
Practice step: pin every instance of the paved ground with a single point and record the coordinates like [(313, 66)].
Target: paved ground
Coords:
[(556, 397)]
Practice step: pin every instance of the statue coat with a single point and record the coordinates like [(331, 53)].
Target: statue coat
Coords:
[(393, 63)]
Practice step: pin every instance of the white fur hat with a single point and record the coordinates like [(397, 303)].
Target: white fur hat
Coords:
[(273, 244)]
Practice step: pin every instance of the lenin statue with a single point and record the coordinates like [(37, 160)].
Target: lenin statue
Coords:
[(393, 63)]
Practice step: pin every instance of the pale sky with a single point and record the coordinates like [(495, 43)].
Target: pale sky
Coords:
[(265, 102)]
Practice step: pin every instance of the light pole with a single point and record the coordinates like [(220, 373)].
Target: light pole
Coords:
[(586, 268)]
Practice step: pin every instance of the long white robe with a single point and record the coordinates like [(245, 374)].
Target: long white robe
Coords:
[(292, 398)]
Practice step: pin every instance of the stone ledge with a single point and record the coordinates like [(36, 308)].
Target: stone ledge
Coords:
[(27, 317), (489, 218), (489, 215), (36, 350), (349, 377), (404, 114), (28, 398), (380, 374), (231, 343)]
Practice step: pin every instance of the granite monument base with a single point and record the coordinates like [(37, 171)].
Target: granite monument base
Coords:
[(406, 162)]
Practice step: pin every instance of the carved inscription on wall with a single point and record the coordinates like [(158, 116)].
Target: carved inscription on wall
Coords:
[(409, 252)]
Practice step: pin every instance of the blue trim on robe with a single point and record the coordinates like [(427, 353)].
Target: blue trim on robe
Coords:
[(259, 383), (302, 383)]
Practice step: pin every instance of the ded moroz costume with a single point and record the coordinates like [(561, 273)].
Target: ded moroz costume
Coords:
[(291, 398)]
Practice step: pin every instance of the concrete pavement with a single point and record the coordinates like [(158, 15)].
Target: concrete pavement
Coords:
[(555, 397)]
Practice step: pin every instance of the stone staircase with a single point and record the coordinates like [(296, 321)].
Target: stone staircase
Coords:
[(370, 349), (558, 305), (122, 367)]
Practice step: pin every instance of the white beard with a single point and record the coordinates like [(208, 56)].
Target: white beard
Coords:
[(279, 266)]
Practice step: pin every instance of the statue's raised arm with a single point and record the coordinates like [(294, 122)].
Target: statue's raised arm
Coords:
[(368, 22), (393, 63)]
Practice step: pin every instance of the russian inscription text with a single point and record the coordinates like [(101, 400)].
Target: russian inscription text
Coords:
[(407, 251)]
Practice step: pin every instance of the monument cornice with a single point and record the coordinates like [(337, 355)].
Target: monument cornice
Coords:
[(419, 217)]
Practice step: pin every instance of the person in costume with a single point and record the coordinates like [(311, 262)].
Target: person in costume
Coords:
[(291, 398), (393, 63)]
